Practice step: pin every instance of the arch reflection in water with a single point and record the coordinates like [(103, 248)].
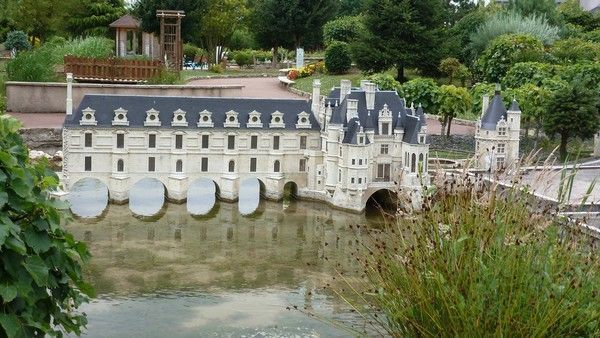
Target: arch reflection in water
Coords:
[(201, 197), (249, 198), (88, 198), (147, 197)]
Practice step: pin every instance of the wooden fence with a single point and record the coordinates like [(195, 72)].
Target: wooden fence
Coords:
[(111, 69)]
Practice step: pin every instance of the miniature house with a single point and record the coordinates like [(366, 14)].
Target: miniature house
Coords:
[(130, 40)]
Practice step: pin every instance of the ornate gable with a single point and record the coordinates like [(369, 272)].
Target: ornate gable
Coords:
[(231, 119), (303, 120), (205, 119), (120, 118), (179, 119), (152, 119), (89, 117), (254, 120), (277, 120)]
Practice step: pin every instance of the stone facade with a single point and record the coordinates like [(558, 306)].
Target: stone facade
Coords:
[(597, 144), (497, 135), (339, 149)]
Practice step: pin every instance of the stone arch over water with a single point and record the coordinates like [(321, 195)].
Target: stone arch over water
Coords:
[(290, 190), (88, 197), (382, 201), (251, 191), (202, 196), (147, 196)]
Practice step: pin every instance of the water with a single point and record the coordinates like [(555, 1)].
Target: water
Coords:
[(222, 274)]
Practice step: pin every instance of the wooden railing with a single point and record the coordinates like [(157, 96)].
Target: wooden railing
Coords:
[(111, 69)]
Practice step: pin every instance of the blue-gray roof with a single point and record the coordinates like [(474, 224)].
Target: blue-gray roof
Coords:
[(495, 112), (136, 107), (351, 135)]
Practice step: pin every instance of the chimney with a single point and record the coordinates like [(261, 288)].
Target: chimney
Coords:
[(69, 94), (351, 109), (363, 84), (345, 87), (485, 104), (316, 96), (370, 95)]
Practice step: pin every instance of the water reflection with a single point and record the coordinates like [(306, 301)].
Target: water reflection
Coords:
[(147, 197), (249, 196), (201, 197), (88, 198), (225, 275)]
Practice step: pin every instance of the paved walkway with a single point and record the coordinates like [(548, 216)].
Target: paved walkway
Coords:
[(259, 87)]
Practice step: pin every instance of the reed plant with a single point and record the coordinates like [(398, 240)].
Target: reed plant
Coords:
[(477, 260)]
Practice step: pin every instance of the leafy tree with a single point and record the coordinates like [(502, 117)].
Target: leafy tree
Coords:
[(41, 283), (400, 33), (17, 40), (337, 58), (571, 12), (458, 42), (37, 18), (477, 92), (351, 7), (452, 102), (344, 29), (505, 51), (7, 17), (452, 68), (541, 8), (575, 50), (220, 21), (529, 72), (532, 101), (92, 17), (242, 39), (457, 9), (572, 111), (590, 70), (386, 82), (422, 91)]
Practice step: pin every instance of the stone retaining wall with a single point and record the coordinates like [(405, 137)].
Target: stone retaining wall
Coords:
[(49, 97)]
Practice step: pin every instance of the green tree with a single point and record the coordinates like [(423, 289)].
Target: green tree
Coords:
[(337, 58), (345, 29), (457, 9), (41, 283), (575, 50), (92, 17), (351, 7), (452, 68), (386, 82), (543, 8), (532, 101), (7, 17), (571, 12), (535, 73), (452, 102), (400, 33), (220, 21), (505, 51), (37, 18), (423, 91), (458, 42), (16, 40), (572, 111)]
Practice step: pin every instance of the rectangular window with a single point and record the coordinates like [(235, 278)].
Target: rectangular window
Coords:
[(422, 139), (302, 142), (360, 161), (231, 142), (360, 180), (352, 180), (88, 163), (120, 141), (500, 162), (385, 128), (204, 141), (353, 161), (302, 165), (178, 141), (253, 142), (253, 164), (339, 175), (204, 164), (383, 172), (385, 149), (276, 142), (501, 148), (152, 141), (151, 164), (501, 131), (88, 140)]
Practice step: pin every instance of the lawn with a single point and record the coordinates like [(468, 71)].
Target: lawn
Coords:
[(188, 74)]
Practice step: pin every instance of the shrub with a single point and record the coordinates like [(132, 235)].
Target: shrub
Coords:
[(576, 50), (190, 52), (528, 72), (345, 29), (243, 58), (504, 52), (166, 77), (590, 70), (42, 284), (17, 40), (215, 69), (422, 91), (386, 82), (93, 47), (242, 39), (32, 66), (337, 58), (450, 67)]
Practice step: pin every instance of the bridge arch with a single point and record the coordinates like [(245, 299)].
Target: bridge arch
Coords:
[(290, 190), (147, 196), (89, 197), (382, 200), (202, 196)]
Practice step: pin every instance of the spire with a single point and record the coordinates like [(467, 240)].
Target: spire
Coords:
[(514, 106)]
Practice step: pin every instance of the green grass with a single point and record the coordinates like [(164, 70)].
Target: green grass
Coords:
[(2, 85), (450, 154), (189, 74)]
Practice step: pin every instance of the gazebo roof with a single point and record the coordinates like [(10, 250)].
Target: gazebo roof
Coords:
[(126, 21)]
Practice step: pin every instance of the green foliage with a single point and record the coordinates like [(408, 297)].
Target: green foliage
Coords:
[(93, 17), (242, 39), (593, 36), (505, 51), (215, 69), (93, 46), (572, 13), (474, 262), (453, 101), (452, 68), (350, 7), (41, 279), (528, 72), (33, 66), (166, 77), (423, 91), (512, 23), (532, 100), (477, 92), (219, 20), (345, 29), (386, 82), (243, 58), (17, 40), (540, 8), (589, 70), (572, 111), (576, 50), (192, 52), (459, 37), (337, 58)]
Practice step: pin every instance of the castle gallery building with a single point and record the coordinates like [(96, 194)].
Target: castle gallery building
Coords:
[(340, 149)]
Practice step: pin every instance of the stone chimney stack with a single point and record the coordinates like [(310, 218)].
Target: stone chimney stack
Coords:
[(351, 109), (485, 104), (316, 97), (370, 95), (69, 110), (345, 87), (363, 84)]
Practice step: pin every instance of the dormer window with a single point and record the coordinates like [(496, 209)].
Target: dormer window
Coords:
[(277, 120), (231, 119), (303, 120), (152, 119), (88, 118), (120, 118), (385, 121), (361, 140), (205, 119), (179, 119), (422, 139), (501, 130), (254, 120)]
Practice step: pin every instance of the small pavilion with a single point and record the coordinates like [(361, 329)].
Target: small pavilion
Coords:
[(131, 40)]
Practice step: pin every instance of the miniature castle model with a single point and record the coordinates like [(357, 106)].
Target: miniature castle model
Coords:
[(341, 148), (497, 134), (597, 144)]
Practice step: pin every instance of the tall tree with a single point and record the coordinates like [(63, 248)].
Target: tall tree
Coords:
[(457, 9), (401, 33), (38, 18), (92, 17), (453, 101), (545, 8), (572, 111), (219, 22)]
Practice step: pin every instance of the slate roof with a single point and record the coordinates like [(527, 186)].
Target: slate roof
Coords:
[(369, 119), (514, 106), (495, 112), (136, 107), (351, 135), (126, 21)]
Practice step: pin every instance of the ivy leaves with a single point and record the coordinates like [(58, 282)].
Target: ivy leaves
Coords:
[(41, 282)]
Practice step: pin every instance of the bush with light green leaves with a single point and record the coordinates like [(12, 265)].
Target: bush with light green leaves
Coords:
[(41, 283)]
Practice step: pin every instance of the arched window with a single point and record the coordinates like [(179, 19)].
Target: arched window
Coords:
[(276, 166), (413, 164), (231, 166), (120, 165), (421, 164), (179, 166)]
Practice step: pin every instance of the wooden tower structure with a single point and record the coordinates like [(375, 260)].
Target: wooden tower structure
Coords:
[(171, 46)]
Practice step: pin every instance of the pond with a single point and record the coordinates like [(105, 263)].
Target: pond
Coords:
[(234, 271)]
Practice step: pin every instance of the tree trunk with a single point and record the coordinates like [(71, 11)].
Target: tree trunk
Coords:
[(449, 125), (442, 120), (564, 138), (274, 61), (400, 76)]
